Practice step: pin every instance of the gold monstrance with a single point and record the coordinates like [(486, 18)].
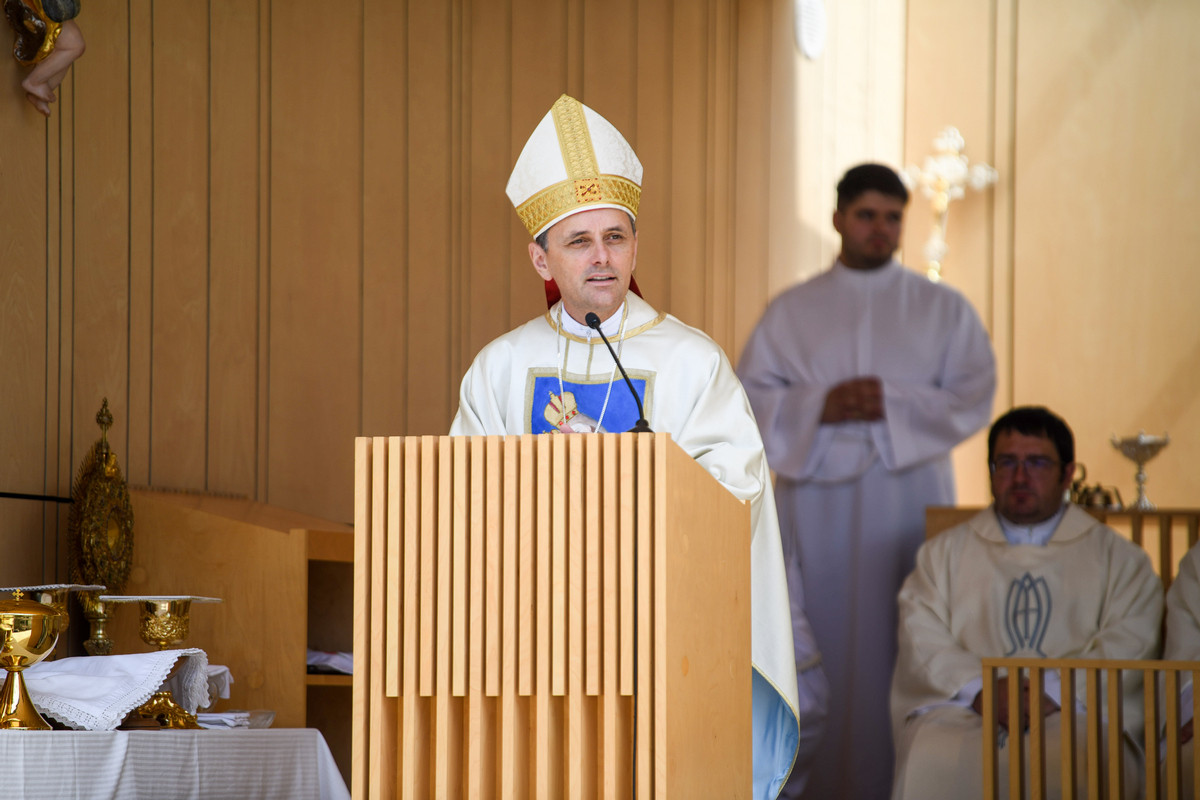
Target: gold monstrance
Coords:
[(100, 530)]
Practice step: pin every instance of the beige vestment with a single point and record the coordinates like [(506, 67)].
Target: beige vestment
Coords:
[(1088, 593)]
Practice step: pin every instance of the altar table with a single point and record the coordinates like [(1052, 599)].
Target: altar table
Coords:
[(241, 764)]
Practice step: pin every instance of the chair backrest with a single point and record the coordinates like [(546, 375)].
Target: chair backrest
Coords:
[(1104, 684), (1165, 534)]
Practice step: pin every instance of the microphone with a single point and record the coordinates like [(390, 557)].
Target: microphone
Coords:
[(593, 322)]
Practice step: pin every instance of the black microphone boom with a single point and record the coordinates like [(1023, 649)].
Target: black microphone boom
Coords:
[(642, 426)]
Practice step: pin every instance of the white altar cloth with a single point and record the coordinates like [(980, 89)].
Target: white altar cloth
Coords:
[(170, 764)]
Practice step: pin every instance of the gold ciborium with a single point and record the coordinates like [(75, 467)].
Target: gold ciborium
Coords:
[(1140, 449), (28, 631), (54, 595), (165, 626)]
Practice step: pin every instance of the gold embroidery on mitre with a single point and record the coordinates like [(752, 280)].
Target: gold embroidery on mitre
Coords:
[(564, 196), (574, 139)]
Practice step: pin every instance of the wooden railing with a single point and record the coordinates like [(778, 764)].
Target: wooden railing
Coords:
[(1104, 684)]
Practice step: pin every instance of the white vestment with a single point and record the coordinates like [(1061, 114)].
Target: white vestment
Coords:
[(690, 391), (1182, 643), (852, 496), (1088, 593)]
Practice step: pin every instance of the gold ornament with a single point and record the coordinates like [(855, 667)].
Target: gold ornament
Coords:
[(100, 530)]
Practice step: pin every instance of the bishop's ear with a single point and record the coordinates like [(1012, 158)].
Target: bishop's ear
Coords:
[(538, 256)]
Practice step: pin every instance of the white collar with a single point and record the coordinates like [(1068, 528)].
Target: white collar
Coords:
[(610, 327), (1038, 533)]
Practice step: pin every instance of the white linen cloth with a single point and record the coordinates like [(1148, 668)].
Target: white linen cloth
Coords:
[(96, 692), (292, 763)]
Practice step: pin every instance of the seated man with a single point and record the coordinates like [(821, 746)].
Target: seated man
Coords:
[(1182, 643), (1031, 576)]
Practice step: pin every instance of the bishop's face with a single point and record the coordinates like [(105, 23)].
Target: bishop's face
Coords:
[(591, 256), (870, 228)]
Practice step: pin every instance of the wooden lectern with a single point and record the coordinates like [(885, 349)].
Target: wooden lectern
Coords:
[(548, 616)]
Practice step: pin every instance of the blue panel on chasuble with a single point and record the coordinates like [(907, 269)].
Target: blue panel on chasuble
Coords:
[(620, 415)]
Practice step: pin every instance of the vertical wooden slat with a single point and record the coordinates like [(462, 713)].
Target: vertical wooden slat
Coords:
[(415, 645), (628, 499), (442, 740), (610, 547), (1095, 770), (1037, 736), (475, 579), (1150, 728), (645, 621), (1016, 753), (382, 744), (575, 611), (495, 562), (1166, 562), (592, 565), (514, 543), (525, 569), (1069, 733), (429, 554), (363, 729), (1115, 733), (394, 569), (558, 566), (462, 510), (991, 773), (544, 566)]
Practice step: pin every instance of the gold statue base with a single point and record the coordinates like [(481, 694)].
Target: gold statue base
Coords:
[(162, 708), (17, 711)]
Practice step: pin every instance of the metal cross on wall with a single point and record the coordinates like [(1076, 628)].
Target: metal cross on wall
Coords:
[(945, 177)]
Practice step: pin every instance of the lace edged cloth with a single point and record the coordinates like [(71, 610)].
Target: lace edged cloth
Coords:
[(95, 693)]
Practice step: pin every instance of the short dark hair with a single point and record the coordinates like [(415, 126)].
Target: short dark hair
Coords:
[(868, 177), (1035, 421), (543, 238)]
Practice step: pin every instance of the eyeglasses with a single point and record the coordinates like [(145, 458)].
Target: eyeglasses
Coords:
[(1034, 465)]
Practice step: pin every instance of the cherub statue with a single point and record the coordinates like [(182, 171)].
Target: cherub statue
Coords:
[(49, 40)]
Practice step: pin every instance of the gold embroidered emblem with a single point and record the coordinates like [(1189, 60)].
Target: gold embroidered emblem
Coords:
[(560, 410)]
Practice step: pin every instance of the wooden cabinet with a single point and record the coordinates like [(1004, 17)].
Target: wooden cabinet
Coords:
[(286, 582)]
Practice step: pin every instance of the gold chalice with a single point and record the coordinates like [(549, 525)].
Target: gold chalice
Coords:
[(165, 626), (1140, 449), (28, 631), (54, 595)]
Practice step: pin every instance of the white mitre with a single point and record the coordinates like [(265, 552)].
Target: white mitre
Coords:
[(574, 161)]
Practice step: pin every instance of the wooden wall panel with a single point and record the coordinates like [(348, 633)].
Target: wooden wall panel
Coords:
[(180, 357), (139, 83), (1105, 288), (280, 228), (234, 210), (433, 255), (958, 69), (316, 250), (95, 291), (27, 332), (385, 222), (1090, 285)]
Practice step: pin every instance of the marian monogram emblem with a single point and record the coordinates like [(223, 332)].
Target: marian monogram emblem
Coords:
[(1027, 614)]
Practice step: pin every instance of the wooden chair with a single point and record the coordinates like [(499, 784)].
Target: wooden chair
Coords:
[(1103, 683)]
